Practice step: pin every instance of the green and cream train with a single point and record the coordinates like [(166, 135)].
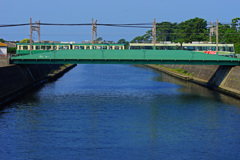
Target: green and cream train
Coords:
[(195, 46), (24, 48)]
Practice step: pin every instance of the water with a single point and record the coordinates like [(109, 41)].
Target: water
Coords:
[(120, 112)]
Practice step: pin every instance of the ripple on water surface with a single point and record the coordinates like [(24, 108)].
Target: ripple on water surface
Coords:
[(120, 112)]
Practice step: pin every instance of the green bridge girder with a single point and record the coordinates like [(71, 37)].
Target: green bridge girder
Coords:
[(125, 57)]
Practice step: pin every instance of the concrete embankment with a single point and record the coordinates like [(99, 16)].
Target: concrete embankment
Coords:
[(18, 79), (225, 79)]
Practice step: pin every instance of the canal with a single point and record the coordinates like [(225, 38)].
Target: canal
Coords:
[(120, 112)]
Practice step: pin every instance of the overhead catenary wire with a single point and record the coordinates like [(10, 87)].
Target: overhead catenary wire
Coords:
[(130, 25)]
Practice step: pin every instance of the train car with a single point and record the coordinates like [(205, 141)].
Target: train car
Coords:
[(24, 48), (195, 46), (209, 48), (98, 46), (159, 46)]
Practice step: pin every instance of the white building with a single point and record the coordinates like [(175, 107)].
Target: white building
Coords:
[(3, 49)]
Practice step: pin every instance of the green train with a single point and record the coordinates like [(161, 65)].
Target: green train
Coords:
[(195, 46), (24, 48)]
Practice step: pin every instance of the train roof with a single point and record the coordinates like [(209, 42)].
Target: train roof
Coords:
[(178, 44), (83, 44), (99, 44), (44, 44)]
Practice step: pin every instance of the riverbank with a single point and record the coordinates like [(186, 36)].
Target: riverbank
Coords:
[(225, 79), (18, 79)]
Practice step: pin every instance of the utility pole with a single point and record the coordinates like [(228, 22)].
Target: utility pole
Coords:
[(30, 35), (217, 38), (94, 31), (154, 34), (35, 27), (211, 31), (39, 31)]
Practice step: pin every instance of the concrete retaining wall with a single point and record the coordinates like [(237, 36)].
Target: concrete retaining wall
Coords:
[(16, 79), (222, 78), (4, 61)]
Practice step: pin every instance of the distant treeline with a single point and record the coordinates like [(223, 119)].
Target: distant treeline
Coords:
[(196, 29)]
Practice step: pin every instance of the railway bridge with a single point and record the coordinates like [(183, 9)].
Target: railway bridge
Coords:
[(101, 56)]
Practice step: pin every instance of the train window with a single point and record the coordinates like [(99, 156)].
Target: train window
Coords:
[(81, 47), (213, 48), (147, 47), (66, 47), (48, 47), (25, 47), (110, 47), (104, 47), (60, 47), (37, 47), (165, 48), (76, 47), (220, 48), (87, 47), (198, 48), (191, 48), (54, 47), (116, 47), (231, 49), (42, 47)]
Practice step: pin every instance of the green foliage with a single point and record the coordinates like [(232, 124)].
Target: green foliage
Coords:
[(25, 41), (11, 50), (165, 31), (194, 30), (2, 40), (123, 41), (99, 39), (188, 31), (237, 47), (138, 39), (179, 70)]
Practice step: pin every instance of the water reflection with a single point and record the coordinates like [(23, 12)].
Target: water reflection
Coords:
[(195, 89)]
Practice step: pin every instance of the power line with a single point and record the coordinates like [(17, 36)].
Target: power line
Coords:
[(130, 25), (14, 25)]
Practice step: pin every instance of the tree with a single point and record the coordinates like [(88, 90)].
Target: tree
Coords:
[(99, 39), (11, 50), (165, 31), (25, 41), (234, 23), (193, 30), (2, 40), (121, 41)]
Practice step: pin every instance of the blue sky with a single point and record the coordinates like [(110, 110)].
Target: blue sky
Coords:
[(105, 11)]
